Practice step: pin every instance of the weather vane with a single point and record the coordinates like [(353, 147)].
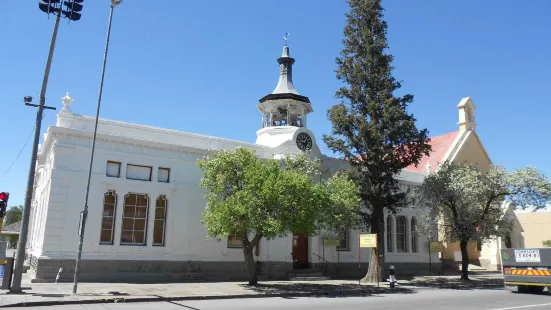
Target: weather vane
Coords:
[(286, 37)]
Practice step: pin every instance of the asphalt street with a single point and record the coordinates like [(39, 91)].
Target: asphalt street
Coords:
[(421, 299)]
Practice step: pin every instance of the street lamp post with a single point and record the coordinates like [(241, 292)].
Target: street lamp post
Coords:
[(73, 7), (84, 213)]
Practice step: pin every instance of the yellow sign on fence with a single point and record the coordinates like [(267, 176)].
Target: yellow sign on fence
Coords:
[(330, 242), (435, 246), (368, 241)]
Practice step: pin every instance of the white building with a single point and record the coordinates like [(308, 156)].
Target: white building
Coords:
[(144, 221)]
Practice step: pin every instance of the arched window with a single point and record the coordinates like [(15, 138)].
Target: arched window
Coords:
[(389, 233), (159, 226), (413, 235), (401, 236), (108, 218), (134, 219)]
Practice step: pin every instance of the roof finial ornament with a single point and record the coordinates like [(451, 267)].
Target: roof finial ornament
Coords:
[(67, 102), (286, 37)]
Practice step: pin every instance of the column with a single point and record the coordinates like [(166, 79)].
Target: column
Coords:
[(393, 229), (302, 118), (262, 122), (288, 114)]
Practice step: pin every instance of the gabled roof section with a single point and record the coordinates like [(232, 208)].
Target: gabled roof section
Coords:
[(12, 229), (440, 146)]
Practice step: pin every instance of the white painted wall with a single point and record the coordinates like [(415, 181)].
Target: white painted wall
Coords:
[(66, 152)]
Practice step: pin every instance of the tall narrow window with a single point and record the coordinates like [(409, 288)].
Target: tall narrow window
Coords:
[(159, 227), (389, 233), (401, 234), (113, 169), (163, 175), (108, 218), (414, 235), (134, 219), (344, 241)]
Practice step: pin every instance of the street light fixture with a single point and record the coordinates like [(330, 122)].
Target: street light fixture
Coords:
[(84, 213), (71, 11)]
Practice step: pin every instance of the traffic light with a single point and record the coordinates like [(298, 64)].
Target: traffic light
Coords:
[(3, 203), (73, 9), (49, 6)]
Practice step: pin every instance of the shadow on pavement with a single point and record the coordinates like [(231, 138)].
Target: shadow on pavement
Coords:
[(324, 290)]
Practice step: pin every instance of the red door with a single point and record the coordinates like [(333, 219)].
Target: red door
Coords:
[(300, 251)]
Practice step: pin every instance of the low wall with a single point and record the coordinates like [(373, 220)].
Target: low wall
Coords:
[(128, 271)]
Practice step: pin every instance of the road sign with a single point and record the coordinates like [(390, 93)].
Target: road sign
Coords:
[(330, 242), (435, 247), (368, 241)]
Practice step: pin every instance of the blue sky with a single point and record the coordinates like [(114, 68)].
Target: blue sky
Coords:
[(201, 66)]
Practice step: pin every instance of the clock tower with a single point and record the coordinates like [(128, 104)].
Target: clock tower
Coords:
[(284, 114)]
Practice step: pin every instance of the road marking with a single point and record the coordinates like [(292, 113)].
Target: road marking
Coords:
[(521, 307)]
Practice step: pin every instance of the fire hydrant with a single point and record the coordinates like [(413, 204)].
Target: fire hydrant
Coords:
[(392, 273)]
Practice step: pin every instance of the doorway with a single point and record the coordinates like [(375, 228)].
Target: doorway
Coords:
[(300, 251)]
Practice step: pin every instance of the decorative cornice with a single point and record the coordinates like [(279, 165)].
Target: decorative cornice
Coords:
[(61, 136)]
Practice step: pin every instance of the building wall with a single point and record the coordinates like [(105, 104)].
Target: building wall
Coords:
[(187, 253), (536, 226)]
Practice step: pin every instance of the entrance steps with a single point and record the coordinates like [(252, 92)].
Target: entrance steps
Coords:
[(306, 275)]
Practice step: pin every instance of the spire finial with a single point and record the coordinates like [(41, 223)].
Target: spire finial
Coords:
[(286, 37)]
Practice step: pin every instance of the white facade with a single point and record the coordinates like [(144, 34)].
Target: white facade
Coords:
[(167, 161)]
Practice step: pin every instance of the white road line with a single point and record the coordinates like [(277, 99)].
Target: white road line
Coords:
[(521, 307)]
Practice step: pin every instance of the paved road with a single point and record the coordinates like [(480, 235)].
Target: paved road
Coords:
[(421, 300)]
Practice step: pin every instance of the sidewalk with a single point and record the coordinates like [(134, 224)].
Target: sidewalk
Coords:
[(42, 294)]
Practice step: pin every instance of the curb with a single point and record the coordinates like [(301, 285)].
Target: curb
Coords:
[(183, 298), (466, 285)]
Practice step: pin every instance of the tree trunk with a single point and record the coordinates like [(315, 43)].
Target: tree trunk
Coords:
[(249, 260), (464, 259), (376, 259), (248, 247)]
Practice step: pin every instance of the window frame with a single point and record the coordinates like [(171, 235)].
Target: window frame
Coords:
[(146, 220), (234, 236), (168, 177), (114, 218), (346, 234), (414, 235), (143, 166), (107, 169), (155, 220), (401, 236)]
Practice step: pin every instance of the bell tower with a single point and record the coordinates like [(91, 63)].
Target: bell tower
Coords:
[(283, 111), (467, 120)]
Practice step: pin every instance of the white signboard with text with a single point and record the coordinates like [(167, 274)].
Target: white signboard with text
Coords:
[(527, 256)]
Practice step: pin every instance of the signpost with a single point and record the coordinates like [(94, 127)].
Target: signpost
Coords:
[(368, 241), (434, 247)]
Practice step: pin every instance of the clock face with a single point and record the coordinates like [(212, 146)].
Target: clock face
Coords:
[(304, 142)]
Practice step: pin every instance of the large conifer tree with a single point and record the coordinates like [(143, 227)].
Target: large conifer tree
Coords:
[(372, 128)]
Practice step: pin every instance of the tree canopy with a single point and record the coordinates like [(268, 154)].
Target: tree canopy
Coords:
[(270, 198), (371, 127), (467, 204)]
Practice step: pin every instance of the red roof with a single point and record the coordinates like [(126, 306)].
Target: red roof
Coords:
[(440, 145)]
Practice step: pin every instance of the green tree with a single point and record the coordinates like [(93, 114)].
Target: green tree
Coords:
[(546, 243), (269, 198), (371, 128), (13, 215), (467, 204)]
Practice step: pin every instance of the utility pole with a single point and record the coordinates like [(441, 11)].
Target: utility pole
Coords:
[(47, 6), (84, 213)]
